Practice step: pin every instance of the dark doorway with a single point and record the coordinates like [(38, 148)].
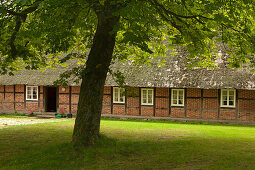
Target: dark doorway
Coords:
[(51, 99)]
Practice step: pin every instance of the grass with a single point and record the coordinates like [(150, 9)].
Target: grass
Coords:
[(130, 145)]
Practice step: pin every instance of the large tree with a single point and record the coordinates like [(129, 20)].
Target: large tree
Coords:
[(34, 34)]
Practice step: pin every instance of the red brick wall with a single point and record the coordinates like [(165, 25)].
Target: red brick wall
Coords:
[(119, 109), (74, 109), (162, 92), (19, 88), (133, 101), (1, 88), (8, 104), (244, 110), (210, 115), (75, 99), (193, 103), (63, 99), (227, 114), (210, 92), (64, 108), (194, 114), (107, 100), (162, 113), (41, 100), (247, 94), (246, 105), (147, 110), (246, 116), (32, 106), (15, 100), (20, 107), (177, 112), (19, 97), (75, 89), (210, 103), (162, 102), (9, 88), (193, 92)]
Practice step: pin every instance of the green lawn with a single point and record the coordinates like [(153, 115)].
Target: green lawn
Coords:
[(130, 145)]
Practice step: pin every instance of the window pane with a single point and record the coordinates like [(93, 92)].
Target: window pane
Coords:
[(224, 98), (115, 90), (122, 92), (225, 103), (231, 93), (144, 92), (29, 96), (174, 101), (180, 102), (34, 96), (28, 88), (180, 92), (231, 103), (149, 92), (174, 92), (34, 93), (180, 97), (149, 99), (115, 96), (144, 100), (144, 96), (174, 96), (231, 98), (121, 99)]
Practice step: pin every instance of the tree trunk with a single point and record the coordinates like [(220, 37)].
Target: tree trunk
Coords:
[(87, 123)]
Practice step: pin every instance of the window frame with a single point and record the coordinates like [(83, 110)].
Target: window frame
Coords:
[(152, 98), (178, 90), (113, 91), (221, 98), (32, 87)]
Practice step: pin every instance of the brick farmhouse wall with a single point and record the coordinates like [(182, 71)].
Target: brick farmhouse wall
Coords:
[(198, 103)]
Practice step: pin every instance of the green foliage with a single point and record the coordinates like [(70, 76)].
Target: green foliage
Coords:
[(35, 32)]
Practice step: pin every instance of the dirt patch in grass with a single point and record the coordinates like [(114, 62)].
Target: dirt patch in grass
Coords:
[(4, 122)]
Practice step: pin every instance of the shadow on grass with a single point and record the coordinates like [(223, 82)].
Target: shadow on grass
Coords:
[(110, 153), (48, 146)]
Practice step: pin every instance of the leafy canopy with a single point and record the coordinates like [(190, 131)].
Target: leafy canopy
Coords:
[(34, 33)]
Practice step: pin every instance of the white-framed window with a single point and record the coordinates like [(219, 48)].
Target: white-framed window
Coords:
[(31, 92), (228, 98), (177, 97), (118, 95), (147, 95)]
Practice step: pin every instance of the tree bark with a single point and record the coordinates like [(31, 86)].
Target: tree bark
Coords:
[(87, 123)]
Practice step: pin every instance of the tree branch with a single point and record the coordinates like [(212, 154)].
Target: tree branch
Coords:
[(26, 11), (20, 16), (168, 12)]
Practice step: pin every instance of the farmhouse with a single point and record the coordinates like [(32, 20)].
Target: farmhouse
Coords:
[(171, 91)]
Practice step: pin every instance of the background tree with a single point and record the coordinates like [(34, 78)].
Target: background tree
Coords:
[(34, 34)]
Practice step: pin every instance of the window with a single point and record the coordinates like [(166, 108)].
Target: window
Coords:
[(177, 97), (118, 95), (147, 96), (32, 93), (228, 97)]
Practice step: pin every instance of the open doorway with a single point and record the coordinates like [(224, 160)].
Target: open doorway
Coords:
[(51, 99)]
